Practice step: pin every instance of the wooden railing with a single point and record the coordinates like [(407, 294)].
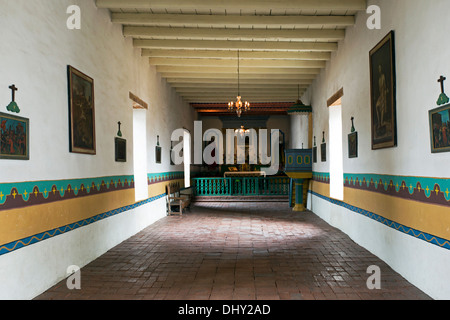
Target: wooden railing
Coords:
[(242, 186)]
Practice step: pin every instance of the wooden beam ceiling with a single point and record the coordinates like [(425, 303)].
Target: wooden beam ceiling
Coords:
[(283, 45)]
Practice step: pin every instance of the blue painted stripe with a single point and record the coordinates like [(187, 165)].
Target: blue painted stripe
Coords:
[(440, 242), (16, 245)]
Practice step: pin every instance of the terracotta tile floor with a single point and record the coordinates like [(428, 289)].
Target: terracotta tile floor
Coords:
[(239, 251)]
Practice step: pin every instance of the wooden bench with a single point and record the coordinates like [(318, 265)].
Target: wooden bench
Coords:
[(176, 201)]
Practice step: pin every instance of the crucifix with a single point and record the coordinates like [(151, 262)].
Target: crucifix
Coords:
[(443, 97), (13, 107), (441, 80), (119, 133), (13, 89)]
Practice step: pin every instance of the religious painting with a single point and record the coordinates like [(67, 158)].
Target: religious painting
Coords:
[(158, 155), (121, 150), (323, 152), (158, 152), (14, 137), (383, 94), (440, 129), (81, 112), (353, 145), (314, 154)]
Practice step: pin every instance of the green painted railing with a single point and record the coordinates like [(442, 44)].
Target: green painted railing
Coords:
[(245, 186)]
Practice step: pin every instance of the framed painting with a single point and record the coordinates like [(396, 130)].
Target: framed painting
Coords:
[(383, 94), (81, 112), (353, 145), (14, 137), (121, 150), (314, 154), (440, 129), (323, 152), (158, 155)]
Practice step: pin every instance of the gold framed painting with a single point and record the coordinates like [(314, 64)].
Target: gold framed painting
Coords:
[(383, 94), (81, 112), (440, 129), (14, 137)]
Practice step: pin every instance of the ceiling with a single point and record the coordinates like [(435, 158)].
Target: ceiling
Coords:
[(195, 44)]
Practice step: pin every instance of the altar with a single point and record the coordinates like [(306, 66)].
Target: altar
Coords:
[(244, 174)]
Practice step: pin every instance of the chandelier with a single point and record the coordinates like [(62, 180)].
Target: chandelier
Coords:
[(239, 104), (241, 131)]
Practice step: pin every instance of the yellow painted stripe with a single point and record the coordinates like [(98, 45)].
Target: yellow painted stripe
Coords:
[(428, 218), (28, 221), (25, 222)]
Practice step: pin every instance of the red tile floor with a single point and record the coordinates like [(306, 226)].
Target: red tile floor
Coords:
[(237, 251)]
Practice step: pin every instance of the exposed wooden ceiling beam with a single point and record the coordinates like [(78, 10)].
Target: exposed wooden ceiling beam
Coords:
[(233, 89), (231, 55), (233, 71), (192, 44), (234, 85), (226, 99), (233, 4), (248, 21), (245, 97), (177, 82), (236, 45), (295, 64), (234, 34), (243, 76)]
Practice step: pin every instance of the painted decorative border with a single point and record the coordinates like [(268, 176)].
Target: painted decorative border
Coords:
[(442, 243), (323, 177), (153, 178), (15, 245), (422, 189), (23, 194)]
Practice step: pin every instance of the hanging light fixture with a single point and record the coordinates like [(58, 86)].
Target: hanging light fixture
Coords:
[(299, 107), (239, 105), (241, 131)]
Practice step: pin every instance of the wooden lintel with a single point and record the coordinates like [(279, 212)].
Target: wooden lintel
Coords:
[(335, 97), (138, 102)]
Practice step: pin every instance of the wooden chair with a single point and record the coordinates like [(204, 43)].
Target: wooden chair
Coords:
[(176, 202)]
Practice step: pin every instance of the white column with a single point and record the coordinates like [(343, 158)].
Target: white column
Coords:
[(299, 130)]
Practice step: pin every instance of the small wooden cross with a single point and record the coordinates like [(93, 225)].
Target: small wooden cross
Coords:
[(119, 133), (13, 89), (441, 80), (443, 99), (13, 107)]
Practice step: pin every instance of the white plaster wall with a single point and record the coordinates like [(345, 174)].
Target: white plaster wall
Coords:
[(35, 49), (28, 272), (421, 28), (424, 265), (282, 123), (299, 131)]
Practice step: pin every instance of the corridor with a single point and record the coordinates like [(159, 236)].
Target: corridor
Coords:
[(236, 251)]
